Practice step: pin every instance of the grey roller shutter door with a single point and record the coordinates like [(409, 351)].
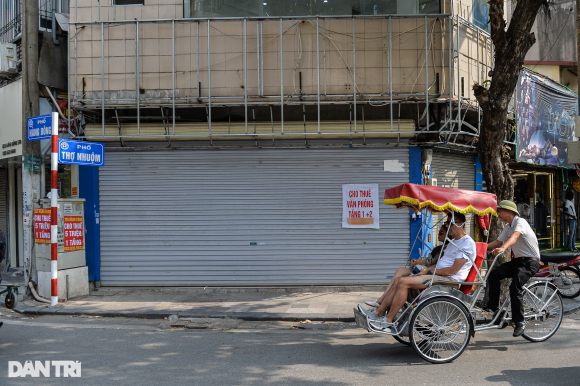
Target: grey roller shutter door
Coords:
[(189, 217), (3, 203), (457, 171)]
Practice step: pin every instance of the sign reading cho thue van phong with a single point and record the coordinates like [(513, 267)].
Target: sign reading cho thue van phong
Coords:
[(81, 153)]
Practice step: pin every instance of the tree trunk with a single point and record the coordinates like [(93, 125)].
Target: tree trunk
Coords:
[(511, 45)]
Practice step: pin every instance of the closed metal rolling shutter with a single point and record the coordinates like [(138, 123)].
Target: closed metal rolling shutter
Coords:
[(189, 217), (457, 171), (3, 204)]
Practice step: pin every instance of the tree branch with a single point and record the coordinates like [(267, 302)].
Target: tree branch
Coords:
[(497, 23)]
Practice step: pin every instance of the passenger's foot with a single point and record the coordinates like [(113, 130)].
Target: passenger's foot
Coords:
[(519, 330), (373, 303), (366, 311), (380, 322)]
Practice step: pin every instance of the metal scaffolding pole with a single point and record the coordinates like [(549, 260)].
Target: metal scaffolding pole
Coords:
[(354, 70), (246, 75), (450, 71), (390, 32), (173, 69), (198, 82), (478, 82), (137, 96), (324, 53), (281, 77), (258, 53), (103, 77), (426, 74), (318, 74), (209, 76)]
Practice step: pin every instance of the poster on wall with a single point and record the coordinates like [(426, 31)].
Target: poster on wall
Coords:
[(73, 233), (42, 226), (360, 206), (545, 120)]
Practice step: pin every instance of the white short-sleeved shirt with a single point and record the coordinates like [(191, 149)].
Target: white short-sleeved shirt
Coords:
[(527, 244), (570, 208), (451, 253)]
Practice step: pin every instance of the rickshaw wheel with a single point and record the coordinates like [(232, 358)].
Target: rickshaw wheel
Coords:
[(542, 327), (574, 275), (10, 300), (440, 330), (402, 339)]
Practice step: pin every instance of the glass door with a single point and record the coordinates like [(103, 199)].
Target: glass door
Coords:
[(533, 194)]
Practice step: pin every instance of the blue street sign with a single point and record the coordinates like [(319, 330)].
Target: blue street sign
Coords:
[(39, 127), (81, 153)]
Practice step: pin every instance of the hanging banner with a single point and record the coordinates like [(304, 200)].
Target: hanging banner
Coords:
[(360, 206), (545, 120), (73, 233), (42, 226)]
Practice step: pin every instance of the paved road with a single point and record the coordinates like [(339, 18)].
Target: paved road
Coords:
[(145, 352)]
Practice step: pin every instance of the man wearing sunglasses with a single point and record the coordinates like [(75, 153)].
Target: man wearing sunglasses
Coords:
[(518, 235), (453, 266)]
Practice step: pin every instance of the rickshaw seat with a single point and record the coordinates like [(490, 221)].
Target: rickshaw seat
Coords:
[(481, 251)]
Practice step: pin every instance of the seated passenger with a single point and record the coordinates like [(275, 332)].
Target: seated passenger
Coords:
[(404, 271), (454, 265)]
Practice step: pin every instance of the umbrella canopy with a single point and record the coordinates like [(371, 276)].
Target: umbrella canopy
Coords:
[(438, 199)]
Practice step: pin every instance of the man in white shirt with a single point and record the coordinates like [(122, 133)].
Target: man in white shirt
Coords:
[(571, 219), (453, 266), (518, 235)]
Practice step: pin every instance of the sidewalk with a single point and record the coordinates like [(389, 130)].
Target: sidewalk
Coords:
[(257, 304)]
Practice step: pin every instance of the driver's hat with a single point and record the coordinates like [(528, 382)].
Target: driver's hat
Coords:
[(508, 205)]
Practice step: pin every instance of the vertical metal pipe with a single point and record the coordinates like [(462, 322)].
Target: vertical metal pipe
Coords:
[(458, 80), (173, 69), (391, 67), (262, 54), (102, 76), (318, 73), (76, 60), (137, 86), (324, 54), (197, 37), (209, 75), (258, 52), (450, 70), (354, 70), (478, 82), (427, 73), (68, 90), (246, 75), (281, 77)]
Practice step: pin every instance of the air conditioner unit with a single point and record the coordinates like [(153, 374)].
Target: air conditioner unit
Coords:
[(8, 59)]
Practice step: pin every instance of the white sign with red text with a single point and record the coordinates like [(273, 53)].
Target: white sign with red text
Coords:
[(360, 206)]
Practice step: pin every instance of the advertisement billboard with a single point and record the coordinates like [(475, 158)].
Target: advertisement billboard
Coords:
[(545, 120)]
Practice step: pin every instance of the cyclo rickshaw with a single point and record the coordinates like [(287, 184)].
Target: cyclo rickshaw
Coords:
[(439, 322)]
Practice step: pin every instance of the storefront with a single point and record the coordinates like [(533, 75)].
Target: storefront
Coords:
[(535, 193), (246, 217)]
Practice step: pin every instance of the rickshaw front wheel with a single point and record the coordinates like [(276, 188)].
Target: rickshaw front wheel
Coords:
[(440, 330)]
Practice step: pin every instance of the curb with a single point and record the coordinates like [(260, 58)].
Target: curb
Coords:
[(249, 316)]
